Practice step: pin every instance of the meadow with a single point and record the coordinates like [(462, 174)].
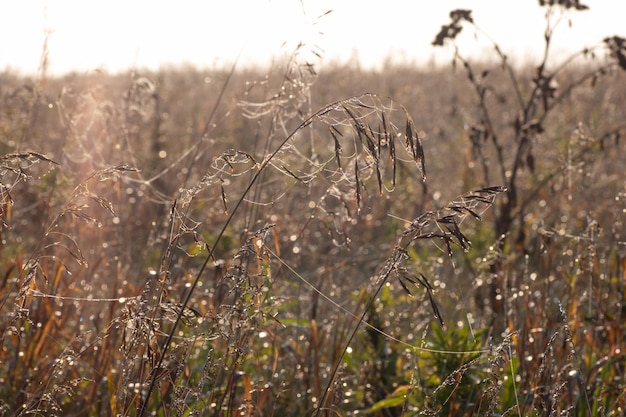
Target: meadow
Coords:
[(297, 241)]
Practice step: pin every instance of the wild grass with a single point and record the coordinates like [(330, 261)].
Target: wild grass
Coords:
[(228, 243)]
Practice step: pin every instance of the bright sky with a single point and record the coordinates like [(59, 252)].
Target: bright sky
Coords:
[(121, 34)]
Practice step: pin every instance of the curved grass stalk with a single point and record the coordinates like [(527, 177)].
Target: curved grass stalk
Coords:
[(354, 113), (441, 224)]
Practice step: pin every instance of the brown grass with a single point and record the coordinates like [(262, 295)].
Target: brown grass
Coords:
[(205, 243)]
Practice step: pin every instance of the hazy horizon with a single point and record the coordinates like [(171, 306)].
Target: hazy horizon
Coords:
[(117, 36)]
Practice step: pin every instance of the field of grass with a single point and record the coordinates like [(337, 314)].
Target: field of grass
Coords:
[(295, 242)]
